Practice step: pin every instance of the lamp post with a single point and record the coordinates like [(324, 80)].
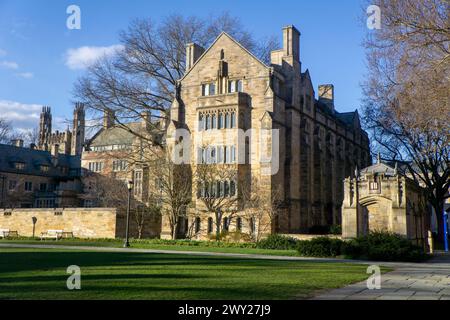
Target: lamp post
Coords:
[(129, 187), (445, 230)]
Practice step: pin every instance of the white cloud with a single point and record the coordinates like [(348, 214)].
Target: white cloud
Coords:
[(83, 57), (9, 64), (25, 75), (22, 116)]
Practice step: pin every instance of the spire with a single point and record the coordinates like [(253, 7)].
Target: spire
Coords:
[(396, 168), (378, 158)]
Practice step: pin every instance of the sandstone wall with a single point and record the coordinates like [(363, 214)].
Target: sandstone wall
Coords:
[(83, 222)]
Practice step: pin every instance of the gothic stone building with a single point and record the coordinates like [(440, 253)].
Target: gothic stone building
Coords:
[(226, 88), (383, 199), (67, 142)]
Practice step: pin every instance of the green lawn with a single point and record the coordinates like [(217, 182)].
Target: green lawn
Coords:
[(149, 245), (41, 274)]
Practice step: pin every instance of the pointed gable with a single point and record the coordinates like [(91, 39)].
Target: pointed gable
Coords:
[(229, 50)]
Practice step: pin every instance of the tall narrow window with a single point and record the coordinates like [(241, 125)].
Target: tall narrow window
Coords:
[(213, 122), (212, 89), (210, 225), (227, 121), (232, 86), (226, 191), (220, 122), (239, 86), (225, 223), (197, 224), (201, 124), (220, 154), (232, 154), (238, 224), (233, 120), (208, 122), (252, 225), (232, 188)]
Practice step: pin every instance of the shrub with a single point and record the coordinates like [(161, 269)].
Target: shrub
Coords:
[(336, 229), (277, 242), (320, 247), (383, 246)]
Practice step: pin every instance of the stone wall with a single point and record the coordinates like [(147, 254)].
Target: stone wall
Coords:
[(83, 222)]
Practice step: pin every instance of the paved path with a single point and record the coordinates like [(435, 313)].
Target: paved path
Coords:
[(424, 281)]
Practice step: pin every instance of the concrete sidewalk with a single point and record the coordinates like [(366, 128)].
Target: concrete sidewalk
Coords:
[(424, 281)]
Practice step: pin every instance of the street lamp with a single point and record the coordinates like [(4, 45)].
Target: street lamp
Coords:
[(129, 187)]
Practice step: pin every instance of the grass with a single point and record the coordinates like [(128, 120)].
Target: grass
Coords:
[(41, 274), (149, 244)]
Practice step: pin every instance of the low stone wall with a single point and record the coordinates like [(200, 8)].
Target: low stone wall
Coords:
[(311, 236), (83, 222)]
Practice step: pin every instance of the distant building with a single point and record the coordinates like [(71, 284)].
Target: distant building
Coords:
[(36, 178), (383, 199), (68, 142)]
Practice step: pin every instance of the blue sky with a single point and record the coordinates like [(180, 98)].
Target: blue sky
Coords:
[(35, 68)]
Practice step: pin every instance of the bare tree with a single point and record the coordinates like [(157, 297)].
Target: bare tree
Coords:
[(259, 209), (171, 188), (142, 76), (216, 189), (406, 92), (5, 131), (107, 192)]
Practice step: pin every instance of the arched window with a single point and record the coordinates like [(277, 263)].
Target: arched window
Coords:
[(227, 121), (197, 224), (208, 122), (220, 122), (239, 86), (252, 225), (238, 224), (210, 225), (213, 126), (225, 223), (233, 120)]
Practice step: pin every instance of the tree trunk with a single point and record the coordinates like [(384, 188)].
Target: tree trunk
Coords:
[(174, 231), (439, 209)]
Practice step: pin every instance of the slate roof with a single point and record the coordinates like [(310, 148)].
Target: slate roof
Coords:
[(115, 135), (34, 159)]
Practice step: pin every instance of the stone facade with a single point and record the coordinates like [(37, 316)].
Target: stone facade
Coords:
[(318, 146), (382, 199)]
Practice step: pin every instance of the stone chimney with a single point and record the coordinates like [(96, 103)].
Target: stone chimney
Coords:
[(291, 42), (17, 142), (193, 52), (326, 95), (108, 118)]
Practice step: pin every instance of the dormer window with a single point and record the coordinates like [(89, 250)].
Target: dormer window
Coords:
[(208, 89), (44, 168), (234, 86)]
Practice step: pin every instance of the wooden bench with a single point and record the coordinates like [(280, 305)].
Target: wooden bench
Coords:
[(6, 233), (52, 234)]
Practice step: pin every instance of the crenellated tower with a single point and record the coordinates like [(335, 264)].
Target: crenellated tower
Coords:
[(45, 127), (78, 130)]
